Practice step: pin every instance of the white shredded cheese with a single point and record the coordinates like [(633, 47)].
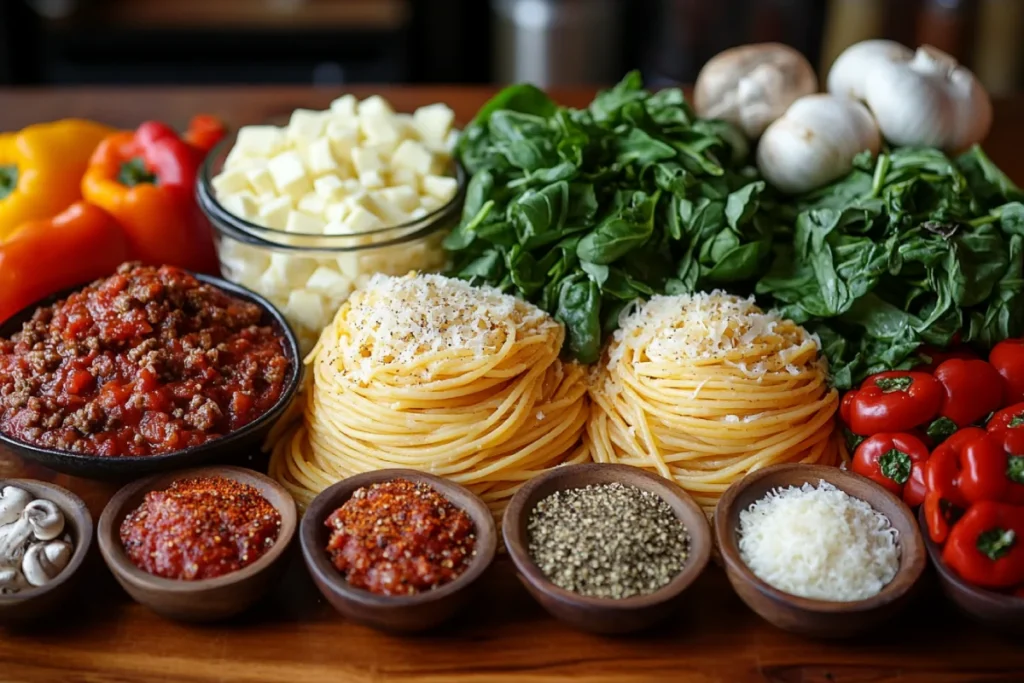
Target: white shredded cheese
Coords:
[(819, 543)]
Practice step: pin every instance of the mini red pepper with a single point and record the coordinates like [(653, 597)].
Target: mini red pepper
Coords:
[(944, 500), (986, 547), (1008, 425), (895, 401), (972, 389), (1007, 357), (146, 180), (937, 357), (891, 460), (988, 472)]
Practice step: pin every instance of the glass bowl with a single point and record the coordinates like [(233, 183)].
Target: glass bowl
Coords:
[(247, 249)]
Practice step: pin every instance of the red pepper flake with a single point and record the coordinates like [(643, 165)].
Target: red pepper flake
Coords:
[(400, 538), (200, 528)]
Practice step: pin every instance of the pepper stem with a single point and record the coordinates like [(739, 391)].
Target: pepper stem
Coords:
[(134, 172), (996, 543), (8, 179)]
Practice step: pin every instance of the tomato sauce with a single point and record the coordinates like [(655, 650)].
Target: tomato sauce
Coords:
[(147, 361), (400, 538)]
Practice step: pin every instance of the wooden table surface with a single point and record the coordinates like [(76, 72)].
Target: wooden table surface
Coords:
[(294, 635)]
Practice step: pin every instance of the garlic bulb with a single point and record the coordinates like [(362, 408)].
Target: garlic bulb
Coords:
[(815, 142), (849, 73), (752, 85), (929, 100)]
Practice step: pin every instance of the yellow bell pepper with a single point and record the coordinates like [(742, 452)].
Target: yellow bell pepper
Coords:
[(41, 169)]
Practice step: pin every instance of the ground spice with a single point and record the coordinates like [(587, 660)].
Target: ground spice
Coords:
[(607, 541), (200, 528), (400, 538)]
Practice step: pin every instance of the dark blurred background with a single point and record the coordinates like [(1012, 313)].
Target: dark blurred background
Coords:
[(549, 42)]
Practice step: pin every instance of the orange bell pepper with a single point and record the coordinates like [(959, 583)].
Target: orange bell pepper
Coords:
[(146, 180), (75, 247), (41, 169)]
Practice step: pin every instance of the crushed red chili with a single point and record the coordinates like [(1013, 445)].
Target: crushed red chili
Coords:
[(147, 361), (400, 538), (200, 528)]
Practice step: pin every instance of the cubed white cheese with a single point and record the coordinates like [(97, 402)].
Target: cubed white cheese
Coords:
[(379, 130), (418, 213), (329, 187), (306, 125), (349, 265), (259, 141), (295, 270), (405, 126), (306, 308), (434, 121), (351, 185), (344, 138), (375, 105), (414, 156), (335, 213), (274, 213), (403, 177), (329, 282), (230, 181), (302, 222), (242, 204), (431, 203), (259, 179), (360, 220), (442, 188), (240, 160), (321, 157), (365, 160), (289, 174), (403, 197), (371, 179), (389, 212), (313, 204), (344, 107)]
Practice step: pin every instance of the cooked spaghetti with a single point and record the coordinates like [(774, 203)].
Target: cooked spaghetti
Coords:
[(705, 388), (434, 374)]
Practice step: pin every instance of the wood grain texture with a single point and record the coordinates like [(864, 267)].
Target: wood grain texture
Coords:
[(296, 637)]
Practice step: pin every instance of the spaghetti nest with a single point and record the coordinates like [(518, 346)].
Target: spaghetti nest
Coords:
[(433, 374), (706, 388)]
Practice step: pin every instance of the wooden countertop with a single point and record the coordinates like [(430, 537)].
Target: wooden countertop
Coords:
[(294, 636)]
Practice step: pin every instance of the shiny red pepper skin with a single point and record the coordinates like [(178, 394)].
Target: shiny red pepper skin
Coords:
[(986, 547), (972, 389), (895, 401), (989, 473), (942, 481), (890, 459), (1007, 357), (1008, 425), (937, 357)]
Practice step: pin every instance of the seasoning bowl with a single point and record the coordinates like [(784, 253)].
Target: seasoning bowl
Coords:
[(605, 615), (999, 611), (225, 449), (812, 617), (204, 599), (395, 613), (35, 603)]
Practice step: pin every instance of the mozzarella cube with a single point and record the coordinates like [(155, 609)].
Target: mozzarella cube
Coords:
[(379, 130), (301, 222), (259, 141), (321, 157), (403, 197), (312, 204), (260, 180), (361, 220), (306, 308), (230, 181), (352, 186), (405, 126), (329, 282), (239, 159), (451, 141), (413, 156), (403, 177), (434, 121), (274, 213), (294, 270), (431, 203), (418, 213), (371, 179), (242, 204), (365, 160), (329, 187), (375, 105), (349, 266), (440, 187), (335, 213), (344, 107), (289, 174), (344, 138), (306, 125), (389, 212)]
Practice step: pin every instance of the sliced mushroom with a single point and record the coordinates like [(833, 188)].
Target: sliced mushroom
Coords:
[(44, 561), (45, 518)]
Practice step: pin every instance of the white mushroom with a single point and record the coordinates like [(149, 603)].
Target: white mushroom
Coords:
[(12, 501), (849, 73), (40, 520), (44, 561), (753, 85), (815, 142), (11, 580)]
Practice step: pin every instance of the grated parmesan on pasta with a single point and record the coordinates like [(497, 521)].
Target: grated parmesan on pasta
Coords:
[(819, 543)]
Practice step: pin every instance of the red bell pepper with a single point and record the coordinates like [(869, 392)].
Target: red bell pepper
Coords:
[(146, 180), (891, 460), (972, 389), (944, 500), (1007, 357), (937, 357), (986, 547), (895, 401)]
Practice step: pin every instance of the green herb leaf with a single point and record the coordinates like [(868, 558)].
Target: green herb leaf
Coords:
[(896, 465)]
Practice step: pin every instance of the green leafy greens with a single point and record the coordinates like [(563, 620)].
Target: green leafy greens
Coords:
[(583, 211)]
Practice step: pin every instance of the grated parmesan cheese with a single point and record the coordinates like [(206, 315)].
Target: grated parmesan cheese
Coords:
[(819, 543)]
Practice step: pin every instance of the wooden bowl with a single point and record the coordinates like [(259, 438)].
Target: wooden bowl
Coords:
[(810, 617), (396, 613), (205, 599), (223, 450), (999, 611), (605, 615), (35, 603)]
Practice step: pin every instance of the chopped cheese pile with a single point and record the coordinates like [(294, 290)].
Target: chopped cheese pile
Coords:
[(819, 543), (397, 321), (342, 174), (713, 327)]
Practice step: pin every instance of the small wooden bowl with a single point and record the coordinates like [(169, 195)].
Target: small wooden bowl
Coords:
[(35, 603), (605, 615), (999, 611), (205, 599), (396, 613), (810, 617)]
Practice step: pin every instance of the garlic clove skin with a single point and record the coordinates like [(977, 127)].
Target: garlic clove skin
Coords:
[(930, 101), (12, 502), (44, 561), (849, 73), (45, 519), (752, 85), (815, 142)]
